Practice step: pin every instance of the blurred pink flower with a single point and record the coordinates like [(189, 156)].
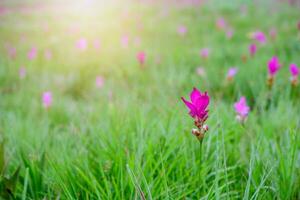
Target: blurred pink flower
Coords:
[(273, 33), (221, 23), (48, 54), (11, 51), (231, 73), (182, 30), (294, 70), (200, 71), (47, 99), (22, 72), (124, 41), (97, 44), (137, 41), (204, 53), (259, 36), (141, 57), (252, 49), (198, 105), (229, 33), (99, 81), (82, 44), (298, 25), (273, 66), (242, 109), (32, 53)]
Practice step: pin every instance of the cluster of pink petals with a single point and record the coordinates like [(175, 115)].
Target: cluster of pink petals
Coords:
[(12, 51), (294, 70), (197, 105), (125, 41), (241, 107), (82, 44), (229, 33), (273, 65), (204, 53), (260, 37), (200, 71), (97, 44), (182, 30), (47, 99), (22, 72), (252, 49), (141, 57), (221, 23), (32, 53), (232, 72)]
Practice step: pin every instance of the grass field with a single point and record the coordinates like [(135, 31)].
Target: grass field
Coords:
[(117, 129)]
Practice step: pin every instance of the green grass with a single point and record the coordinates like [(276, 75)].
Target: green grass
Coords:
[(138, 144)]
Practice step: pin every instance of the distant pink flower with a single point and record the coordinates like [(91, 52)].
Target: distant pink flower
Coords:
[(198, 105), (229, 33), (48, 54), (221, 23), (82, 44), (124, 41), (182, 30), (231, 73), (97, 44), (141, 57), (259, 36), (137, 41), (298, 25), (12, 51), (294, 70), (47, 99), (200, 71), (22, 72), (99, 81), (273, 33), (252, 49), (273, 66), (242, 109), (204, 53), (32, 53)]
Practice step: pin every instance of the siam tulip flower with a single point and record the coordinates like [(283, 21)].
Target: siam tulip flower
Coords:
[(182, 30), (22, 72), (295, 73), (198, 110), (47, 99), (48, 54), (32, 53), (273, 67), (200, 71), (259, 36), (82, 44), (141, 57), (273, 33), (241, 109), (99, 81), (124, 41), (204, 53), (221, 23), (231, 73), (252, 49)]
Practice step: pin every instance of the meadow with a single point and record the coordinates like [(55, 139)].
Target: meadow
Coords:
[(91, 108)]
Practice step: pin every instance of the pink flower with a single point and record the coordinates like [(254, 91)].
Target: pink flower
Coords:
[(273, 33), (231, 73), (198, 105), (200, 71), (11, 51), (22, 72), (47, 99), (99, 81), (259, 36), (252, 49), (204, 53), (141, 57), (242, 109), (137, 41), (229, 33), (48, 54), (294, 70), (298, 25), (273, 66), (82, 44), (125, 41), (221, 23), (32, 53), (182, 30), (97, 44)]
